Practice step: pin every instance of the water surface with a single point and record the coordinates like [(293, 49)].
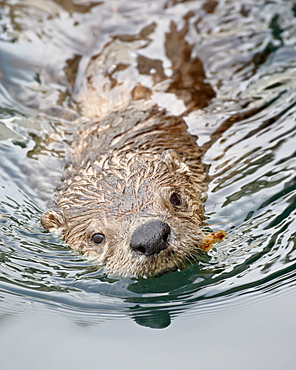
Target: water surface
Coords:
[(244, 54)]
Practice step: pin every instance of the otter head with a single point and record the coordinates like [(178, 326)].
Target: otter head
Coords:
[(138, 215)]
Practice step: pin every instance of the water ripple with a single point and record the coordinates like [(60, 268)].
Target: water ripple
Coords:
[(250, 60)]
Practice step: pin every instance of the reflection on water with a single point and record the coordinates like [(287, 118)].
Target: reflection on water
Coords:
[(217, 63)]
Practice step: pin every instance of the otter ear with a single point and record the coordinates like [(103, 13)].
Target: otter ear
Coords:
[(52, 219), (174, 162)]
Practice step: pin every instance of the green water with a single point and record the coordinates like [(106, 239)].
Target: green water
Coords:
[(234, 310)]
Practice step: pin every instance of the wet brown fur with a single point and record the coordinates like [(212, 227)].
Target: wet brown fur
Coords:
[(122, 173)]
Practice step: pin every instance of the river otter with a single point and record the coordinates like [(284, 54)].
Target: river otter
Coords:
[(133, 191)]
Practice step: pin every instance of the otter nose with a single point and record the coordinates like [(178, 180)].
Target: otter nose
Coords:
[(150, 238)]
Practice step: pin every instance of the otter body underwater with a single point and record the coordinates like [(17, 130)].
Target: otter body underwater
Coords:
[(132, 193)]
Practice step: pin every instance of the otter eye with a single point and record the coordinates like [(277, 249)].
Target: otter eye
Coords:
[(175, 200), (98, 238)]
